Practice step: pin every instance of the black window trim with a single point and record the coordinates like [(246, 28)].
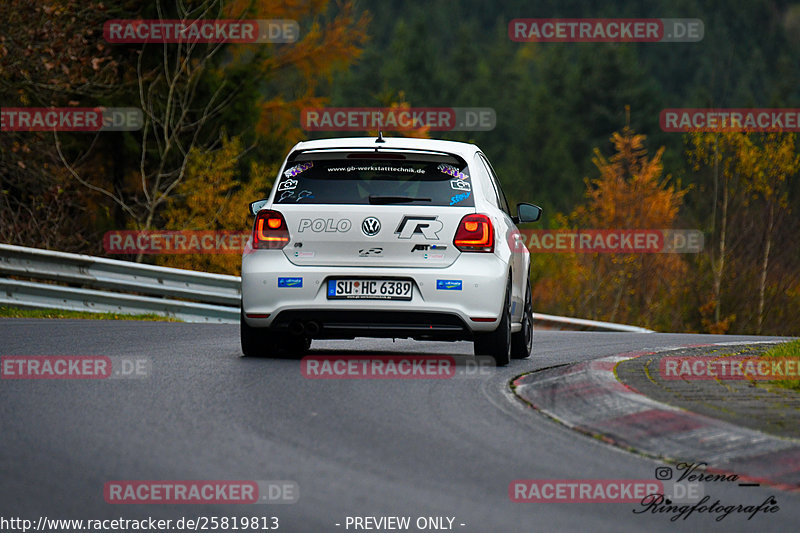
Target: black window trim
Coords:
[(502, 202)]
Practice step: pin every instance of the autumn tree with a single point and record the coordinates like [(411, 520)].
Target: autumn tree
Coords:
[(777, 162), (212, 197), (730, 158), (279, 81), (750, 176), (52, 53), (190, 93), (631, 192)]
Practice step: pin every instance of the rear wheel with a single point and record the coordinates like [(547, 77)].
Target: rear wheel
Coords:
[(254, 340), (497, 343), (261, 342), (293, 346), (522, 341)]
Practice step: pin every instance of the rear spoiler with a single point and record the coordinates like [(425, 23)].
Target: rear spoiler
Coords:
[(361, 152)]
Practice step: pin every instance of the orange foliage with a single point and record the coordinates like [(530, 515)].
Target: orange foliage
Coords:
[(329, 40), (212, 197), (643, 289)]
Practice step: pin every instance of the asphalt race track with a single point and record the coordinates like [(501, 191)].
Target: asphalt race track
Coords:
[(357, 448)]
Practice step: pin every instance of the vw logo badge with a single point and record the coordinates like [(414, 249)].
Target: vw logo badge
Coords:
[(371, 226)]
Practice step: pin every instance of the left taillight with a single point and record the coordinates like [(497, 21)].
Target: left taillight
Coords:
[(475, 233), (270, 231)]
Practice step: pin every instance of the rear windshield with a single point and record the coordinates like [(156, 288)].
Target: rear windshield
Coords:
[(375, 181)]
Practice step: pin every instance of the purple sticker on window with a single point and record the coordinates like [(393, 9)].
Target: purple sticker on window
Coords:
[(452, 171)]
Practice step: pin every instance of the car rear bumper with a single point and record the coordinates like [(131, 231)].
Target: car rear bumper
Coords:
[(348, 323), (432, 312)]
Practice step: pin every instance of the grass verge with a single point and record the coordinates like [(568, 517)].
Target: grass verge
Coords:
[(13, 312), (786, 350)]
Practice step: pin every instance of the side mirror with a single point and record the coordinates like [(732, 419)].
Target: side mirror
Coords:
[(256, 206), (527, 213)]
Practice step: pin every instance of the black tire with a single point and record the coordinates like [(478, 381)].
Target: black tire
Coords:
[(293, 346), (497, 343), (261, 342), (522, 341), (255, 341)]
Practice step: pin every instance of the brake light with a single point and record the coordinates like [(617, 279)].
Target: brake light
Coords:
[(270, 231), (475, 233)]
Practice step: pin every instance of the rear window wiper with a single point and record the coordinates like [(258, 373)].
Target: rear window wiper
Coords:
[(396, 199)]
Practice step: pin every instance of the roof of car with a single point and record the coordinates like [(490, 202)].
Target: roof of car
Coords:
[(465, 150)]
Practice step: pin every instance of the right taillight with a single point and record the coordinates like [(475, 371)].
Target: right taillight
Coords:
[(270, 231), (475, 233)]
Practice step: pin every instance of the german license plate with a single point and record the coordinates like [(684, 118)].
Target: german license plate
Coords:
[(369, 289)]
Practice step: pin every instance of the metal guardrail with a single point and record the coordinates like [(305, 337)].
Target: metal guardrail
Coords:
[(215, 297), (119, 275), (45, 296), (581, 324)]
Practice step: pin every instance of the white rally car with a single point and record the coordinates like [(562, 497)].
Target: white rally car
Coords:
[(387, 237)]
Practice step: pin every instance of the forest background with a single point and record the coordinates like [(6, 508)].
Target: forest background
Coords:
[(577, 133)]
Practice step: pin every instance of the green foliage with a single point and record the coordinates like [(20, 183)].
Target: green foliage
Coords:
[(788, 350), (14, 312)]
